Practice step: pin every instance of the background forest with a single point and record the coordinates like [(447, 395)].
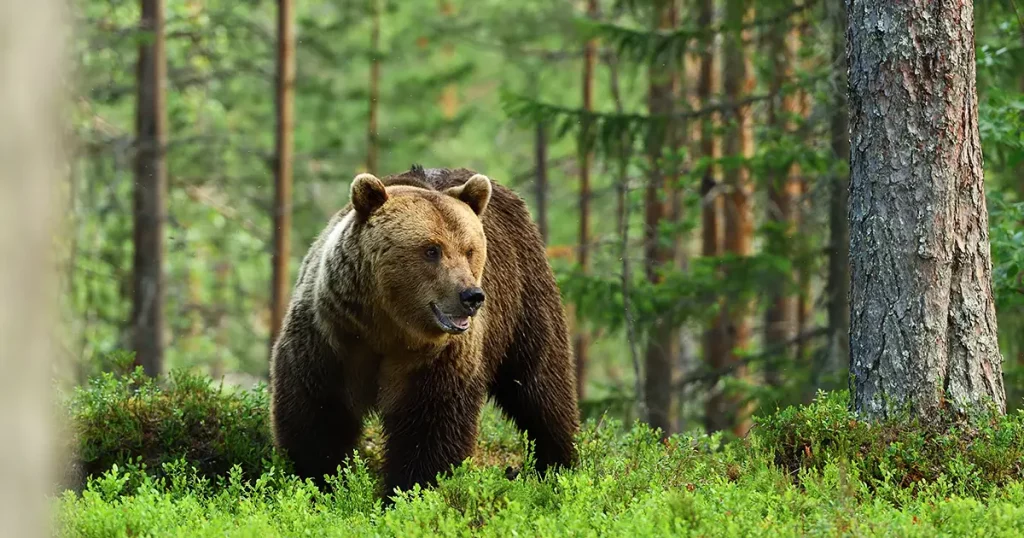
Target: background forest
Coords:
[(792, 314), (686, 164)]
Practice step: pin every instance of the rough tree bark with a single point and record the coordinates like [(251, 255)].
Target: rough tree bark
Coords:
[(283, 165), (662, 343), (839, 225), (31, 93), (586, 160), (923, 321), (150, 194), (737, 81)]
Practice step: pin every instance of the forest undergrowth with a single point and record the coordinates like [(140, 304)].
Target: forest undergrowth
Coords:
[(185, 456)]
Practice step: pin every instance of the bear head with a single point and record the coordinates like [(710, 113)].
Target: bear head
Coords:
[(424, 252)]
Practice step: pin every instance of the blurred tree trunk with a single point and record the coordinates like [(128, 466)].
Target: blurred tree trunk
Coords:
[(586, 159), (686, 357), (150, 195), (711, 211), (540, 151), (783, 196), (371, 127), (839, 198), (283, 164), (737, 79), (31, 101), (450, 92), (662, 344), (923, 319)]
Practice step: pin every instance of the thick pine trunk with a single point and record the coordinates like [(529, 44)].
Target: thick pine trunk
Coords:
[(150, 195), (586, 158), (31, 95), (283, 165), (662, 343), (923, 322), (839, 198)]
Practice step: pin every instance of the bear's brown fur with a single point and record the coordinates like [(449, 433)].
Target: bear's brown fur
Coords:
[(375, 319)]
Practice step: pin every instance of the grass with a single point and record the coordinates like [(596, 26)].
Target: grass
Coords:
[(810, 470)]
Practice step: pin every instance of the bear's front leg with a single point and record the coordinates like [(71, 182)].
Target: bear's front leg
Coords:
[(312, 420), (430, 424)]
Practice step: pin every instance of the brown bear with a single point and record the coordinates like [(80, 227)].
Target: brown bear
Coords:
[(427, 293)]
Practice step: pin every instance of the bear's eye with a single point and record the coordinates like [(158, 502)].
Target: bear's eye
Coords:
[(469, 253), (433, 253)]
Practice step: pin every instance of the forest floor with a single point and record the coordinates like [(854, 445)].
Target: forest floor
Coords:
[(810, 470)]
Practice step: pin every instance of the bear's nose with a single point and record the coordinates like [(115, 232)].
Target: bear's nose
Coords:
[(472, 298)]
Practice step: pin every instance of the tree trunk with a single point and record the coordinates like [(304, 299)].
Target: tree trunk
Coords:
[(662, 344), (839, 198), (711, 213), (586, 159), (371, 124), (450, 92), (737, 79), (150, 195), (283, 165), (31, 102), (923, 321), (783, 195), (804, 210), (541, 164)]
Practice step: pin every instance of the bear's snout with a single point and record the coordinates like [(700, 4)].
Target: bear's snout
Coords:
[(472, 299)]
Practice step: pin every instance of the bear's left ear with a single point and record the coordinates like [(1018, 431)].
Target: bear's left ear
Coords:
[(367, 194), (476, 193)]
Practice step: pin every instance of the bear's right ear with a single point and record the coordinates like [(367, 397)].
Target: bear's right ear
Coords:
[(367, 194)]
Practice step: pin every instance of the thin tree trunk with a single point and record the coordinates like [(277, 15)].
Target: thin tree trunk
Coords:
[(737, 79), (839, 199), (150, 195), (662, 342), (686, 358), (371, 127), (283, 164), (783, 195), (586, 159), (804, 210), (449, 94), (31, 101), (623, 210), (923, 321), (541, 163), (714, 344)]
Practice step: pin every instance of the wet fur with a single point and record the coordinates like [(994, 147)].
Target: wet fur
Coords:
[(342, 355)]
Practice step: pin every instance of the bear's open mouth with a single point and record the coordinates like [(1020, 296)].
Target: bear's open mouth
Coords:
[(450, 324)]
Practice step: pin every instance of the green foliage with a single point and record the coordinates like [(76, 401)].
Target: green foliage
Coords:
[(806, 470), (669, 47), (1006, 222), (133, 421), (947, 455)]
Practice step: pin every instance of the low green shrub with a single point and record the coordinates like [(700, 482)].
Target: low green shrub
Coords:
[(133, 421), (128, 420), (630, 484), (145, 426), (969, 457)]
